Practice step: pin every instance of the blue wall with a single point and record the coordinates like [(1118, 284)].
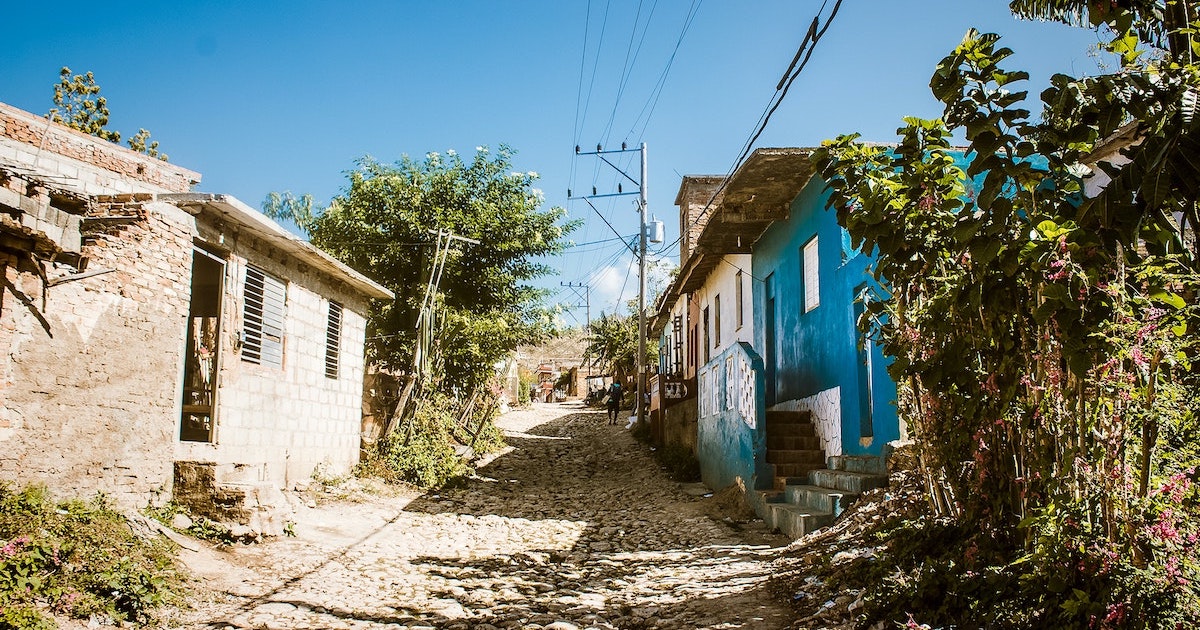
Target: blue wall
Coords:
[(728, 447), (818, 350)]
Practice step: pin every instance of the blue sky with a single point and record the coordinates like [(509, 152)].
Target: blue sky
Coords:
[(263, 96)]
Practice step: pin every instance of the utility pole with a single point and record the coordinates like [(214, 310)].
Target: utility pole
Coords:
[(587, 298), (639, 402), (587, 305), (642, 407)]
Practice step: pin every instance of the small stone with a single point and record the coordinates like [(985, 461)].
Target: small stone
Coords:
[(181, 522), (241, 532)]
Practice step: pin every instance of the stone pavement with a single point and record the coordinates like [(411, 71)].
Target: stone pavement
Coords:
[(574, 527)]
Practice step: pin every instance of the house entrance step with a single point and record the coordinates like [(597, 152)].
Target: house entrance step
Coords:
[(859, 464), (807, 496), (854, 482), (795, 520), (824, 499)]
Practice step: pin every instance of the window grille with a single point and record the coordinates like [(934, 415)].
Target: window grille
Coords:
[(333, 339), (262, 318)]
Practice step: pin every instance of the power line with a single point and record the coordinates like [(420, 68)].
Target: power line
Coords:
[(811, 37), (656, 92), (627, 70)]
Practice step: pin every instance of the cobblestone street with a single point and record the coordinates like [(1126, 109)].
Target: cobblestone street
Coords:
[(574, 526)]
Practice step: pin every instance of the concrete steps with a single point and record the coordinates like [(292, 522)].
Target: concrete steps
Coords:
[(811, 491), (792, 446)]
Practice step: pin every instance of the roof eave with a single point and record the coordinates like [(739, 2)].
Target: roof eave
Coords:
[(234, 210)]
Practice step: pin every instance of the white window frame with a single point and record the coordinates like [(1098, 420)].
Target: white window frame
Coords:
[(811, 274)]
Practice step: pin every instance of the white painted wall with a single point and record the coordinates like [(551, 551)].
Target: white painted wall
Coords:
[(279, 425), (722, 282)]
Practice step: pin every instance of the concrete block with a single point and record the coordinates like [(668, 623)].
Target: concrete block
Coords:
[(853, 482)]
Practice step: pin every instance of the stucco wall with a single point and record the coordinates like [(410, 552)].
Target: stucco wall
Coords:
[(278, 425), (722, 282), (731, 433), (817, 352)]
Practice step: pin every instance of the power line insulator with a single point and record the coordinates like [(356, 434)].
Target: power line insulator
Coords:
[(599, 148), (569, 190), (622, 146), (577, 148), (593, 190), (618, 188)]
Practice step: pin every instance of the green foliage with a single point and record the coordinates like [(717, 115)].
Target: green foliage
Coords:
[(78, 105), (1045, 340), (77, 559), (142, 143), (381, 225), (613, 345), (24, 617), (526, 380), (421, 453)]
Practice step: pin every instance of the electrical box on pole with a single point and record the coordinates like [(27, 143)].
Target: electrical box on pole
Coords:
[(656, 232)]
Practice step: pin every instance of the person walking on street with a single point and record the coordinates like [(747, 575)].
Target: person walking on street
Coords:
[(614, 401)]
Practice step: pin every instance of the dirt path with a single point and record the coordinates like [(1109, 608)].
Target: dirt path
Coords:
[(574, 527)]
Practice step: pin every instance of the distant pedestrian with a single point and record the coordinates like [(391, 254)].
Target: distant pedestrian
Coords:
[(614, 401)]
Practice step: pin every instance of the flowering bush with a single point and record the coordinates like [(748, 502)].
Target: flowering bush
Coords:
[(76, 559), (1046, 342)]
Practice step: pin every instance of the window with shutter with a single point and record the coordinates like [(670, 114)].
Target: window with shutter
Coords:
[(262, 318), (333, 339)]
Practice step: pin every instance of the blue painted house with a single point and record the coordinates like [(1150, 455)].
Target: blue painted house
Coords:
[(807, 305), (797, 409)]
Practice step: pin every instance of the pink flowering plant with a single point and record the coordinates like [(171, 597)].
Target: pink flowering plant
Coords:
[(76, 559), (1045, 335)]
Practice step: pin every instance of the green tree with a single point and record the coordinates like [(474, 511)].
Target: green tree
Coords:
[(78, 105), (612, 345), (382, 223)]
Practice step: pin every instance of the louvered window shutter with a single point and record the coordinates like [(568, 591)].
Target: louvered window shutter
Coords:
[(263, 314)]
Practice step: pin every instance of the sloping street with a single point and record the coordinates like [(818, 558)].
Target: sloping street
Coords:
[(574, 526)]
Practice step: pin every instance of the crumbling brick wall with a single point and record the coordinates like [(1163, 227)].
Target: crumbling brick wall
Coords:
[(82, 162), (90, 371), (89, 366)]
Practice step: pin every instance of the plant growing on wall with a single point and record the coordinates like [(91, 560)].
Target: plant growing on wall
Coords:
[(78, 105), (1046, 341)]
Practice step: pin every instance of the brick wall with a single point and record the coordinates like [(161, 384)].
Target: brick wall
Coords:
[(82, 162), (695, 194), (90, 371)]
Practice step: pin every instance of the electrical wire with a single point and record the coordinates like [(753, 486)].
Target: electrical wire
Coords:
[(810, 41), (656, 92)]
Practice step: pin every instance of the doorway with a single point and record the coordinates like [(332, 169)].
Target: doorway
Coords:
[(769, 350), (203, 338)]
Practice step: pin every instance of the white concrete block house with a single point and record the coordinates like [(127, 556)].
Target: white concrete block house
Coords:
[(157, 342)]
